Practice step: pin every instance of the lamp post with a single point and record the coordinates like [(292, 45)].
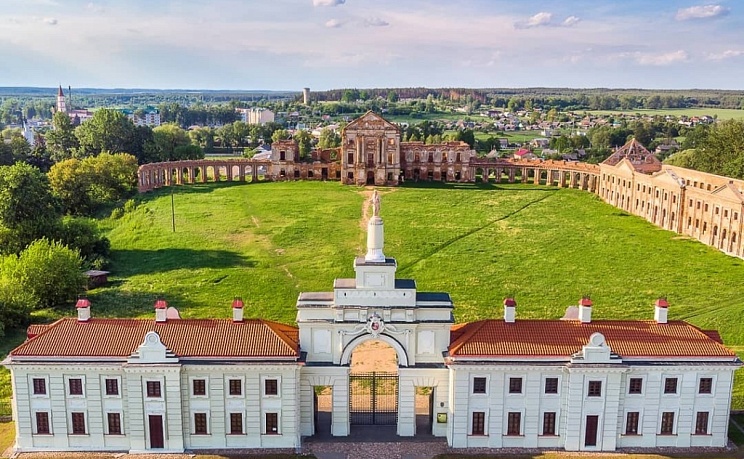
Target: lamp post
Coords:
[(173, 210)]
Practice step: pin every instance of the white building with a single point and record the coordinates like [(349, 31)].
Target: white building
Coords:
[(149, 117), (255, 115), (174, 384)]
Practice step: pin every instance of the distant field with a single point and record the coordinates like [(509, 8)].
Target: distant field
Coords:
[(721, 113)]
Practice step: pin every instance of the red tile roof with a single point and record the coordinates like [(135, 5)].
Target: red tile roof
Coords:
[(562, 338), (255, 338)]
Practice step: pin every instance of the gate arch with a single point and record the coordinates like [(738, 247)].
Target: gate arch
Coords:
[(392, 342)]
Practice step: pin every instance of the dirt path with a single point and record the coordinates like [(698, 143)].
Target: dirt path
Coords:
[(367, 194)]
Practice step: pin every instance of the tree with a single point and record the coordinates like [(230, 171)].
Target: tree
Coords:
[(202, 136), (467, 136), (167, 138), (280, 134), (392, 96), (329, 138), (108, 130), (49, 271), (226, 136), (304, 142), (71, 182), (83, 186), (61, 141), (722, 151), (28, 210), (241, 132)]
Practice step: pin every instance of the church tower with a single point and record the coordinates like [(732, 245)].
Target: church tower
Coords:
[(61, 105)]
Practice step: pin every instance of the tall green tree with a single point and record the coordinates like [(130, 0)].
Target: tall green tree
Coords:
[(304, 143), (28, 210), (108, 130), (329, 138), (49, 271), (61, 141), (167, 138)]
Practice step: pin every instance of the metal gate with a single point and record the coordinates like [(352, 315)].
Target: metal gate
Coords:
[(373, 399)]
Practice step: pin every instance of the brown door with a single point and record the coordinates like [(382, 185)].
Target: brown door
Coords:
[(156, 431), (590, 437)]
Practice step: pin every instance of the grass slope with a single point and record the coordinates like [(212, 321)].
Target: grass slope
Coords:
[(548, 247)]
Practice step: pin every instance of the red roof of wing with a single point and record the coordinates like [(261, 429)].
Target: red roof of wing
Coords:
[(186, 338), (551, 338)]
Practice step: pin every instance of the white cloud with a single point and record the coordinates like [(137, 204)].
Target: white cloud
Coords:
[(328, 2), (728, 54), (701, 12), (50, 21), (659, 59), (375, 22), (569, 21), (542, 18), (333, 23)]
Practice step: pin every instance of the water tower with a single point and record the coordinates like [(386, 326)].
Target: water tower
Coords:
[(306, 96)]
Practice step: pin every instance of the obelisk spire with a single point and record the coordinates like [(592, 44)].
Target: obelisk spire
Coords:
[(375, 235)]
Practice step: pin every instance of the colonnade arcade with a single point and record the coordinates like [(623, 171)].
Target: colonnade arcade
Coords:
[(156, 175)]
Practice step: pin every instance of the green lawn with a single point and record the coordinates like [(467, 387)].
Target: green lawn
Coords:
[(546, 246)]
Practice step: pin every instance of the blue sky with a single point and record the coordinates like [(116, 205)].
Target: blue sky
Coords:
[(323, 44)]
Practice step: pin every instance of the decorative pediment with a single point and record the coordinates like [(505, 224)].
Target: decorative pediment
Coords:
[(152, 350), (370, 121), (596, 350), (729, 191)]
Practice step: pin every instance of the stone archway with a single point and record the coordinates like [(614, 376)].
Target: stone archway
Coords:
[(399, 349), (373, 383)]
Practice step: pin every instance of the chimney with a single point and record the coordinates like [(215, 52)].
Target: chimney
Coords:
[(237, 307), (660, 311), (585, 310), (161, 307), (83, 309), (510, 310)]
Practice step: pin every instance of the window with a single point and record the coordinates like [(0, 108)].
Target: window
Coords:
[(631, 423), (548, 423), (39, 386), (42, 422), (705, 386), (114, 423), (153, 389), (667, 423), (479, 385), (514, 423), (271, 387), (670, 386), (701, 423), (75, 385), (479, 423), (200, 424), (272, 423), (112, 386), (235, 387), (551, 385), (595, 389), (515, 385), (236, 423), (635, 386), (199, 387), (78, 423)]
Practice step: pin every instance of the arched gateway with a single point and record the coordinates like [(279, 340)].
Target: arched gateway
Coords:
[(374, 306)]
